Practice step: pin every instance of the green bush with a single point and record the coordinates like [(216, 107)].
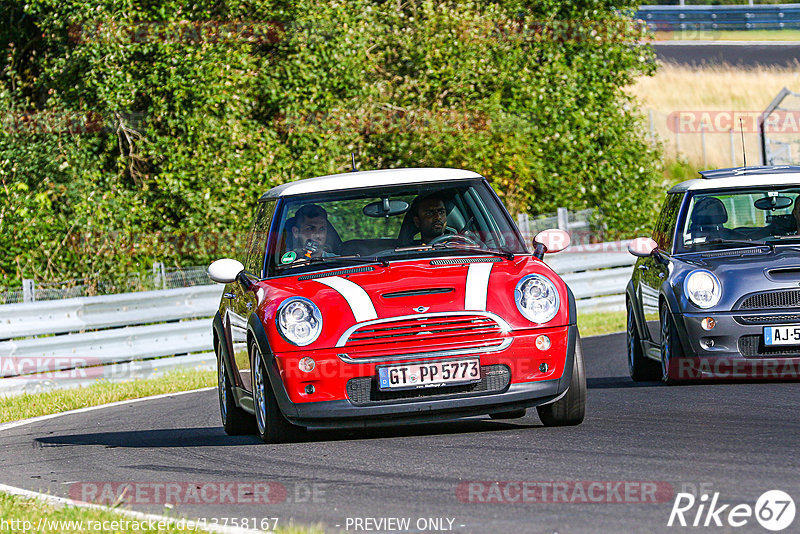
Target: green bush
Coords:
[(152, 127)]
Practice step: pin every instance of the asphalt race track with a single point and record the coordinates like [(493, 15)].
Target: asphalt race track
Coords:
[(739, 440), (744, 54)]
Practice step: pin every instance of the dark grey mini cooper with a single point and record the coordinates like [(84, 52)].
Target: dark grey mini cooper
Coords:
[(716, 292)]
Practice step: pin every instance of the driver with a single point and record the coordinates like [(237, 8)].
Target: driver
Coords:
[(796, 212), (430, 217), (310, 232)]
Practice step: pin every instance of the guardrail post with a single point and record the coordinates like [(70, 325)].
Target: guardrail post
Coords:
[(159, 275), (28, 290), (563, 219)]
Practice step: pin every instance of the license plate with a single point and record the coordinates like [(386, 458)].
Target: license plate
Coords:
[(782, 335), (429, 374)]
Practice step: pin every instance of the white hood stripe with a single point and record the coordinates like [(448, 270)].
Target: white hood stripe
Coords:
[(354, 294), (477, 286)]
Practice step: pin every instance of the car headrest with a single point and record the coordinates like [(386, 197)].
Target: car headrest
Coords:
[(709, 211)]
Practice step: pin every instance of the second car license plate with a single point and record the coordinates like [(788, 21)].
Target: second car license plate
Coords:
[(782, 335), (429, 374)]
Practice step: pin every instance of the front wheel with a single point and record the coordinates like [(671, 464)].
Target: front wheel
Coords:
[(235, 421), (670, 346), (640, 367), (272, 425), (571, 408)]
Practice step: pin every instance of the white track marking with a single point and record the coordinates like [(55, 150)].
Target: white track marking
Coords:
[(14, 424), (61, 501)]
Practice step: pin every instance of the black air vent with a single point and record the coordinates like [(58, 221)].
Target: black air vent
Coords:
[(339, 272), (739, 252), (418, 292), (784, 274), (461, 261)]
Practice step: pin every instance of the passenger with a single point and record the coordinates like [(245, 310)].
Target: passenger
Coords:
[(310, 232)]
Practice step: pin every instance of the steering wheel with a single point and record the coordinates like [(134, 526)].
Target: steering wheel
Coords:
[(455, 238)]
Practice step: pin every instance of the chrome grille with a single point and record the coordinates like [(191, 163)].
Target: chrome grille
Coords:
[(425, 329), (772, 299), (364, 391)]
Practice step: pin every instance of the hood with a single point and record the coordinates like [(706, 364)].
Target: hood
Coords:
[(353, 295)]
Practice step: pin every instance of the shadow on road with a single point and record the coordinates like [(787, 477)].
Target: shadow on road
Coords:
[(215, 437), (618, 382)]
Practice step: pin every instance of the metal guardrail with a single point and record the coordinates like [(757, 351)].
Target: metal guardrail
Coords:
[(74, 342), (78, 341), (735, 17)]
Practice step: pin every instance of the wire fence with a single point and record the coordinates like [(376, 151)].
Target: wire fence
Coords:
[(160, 278)]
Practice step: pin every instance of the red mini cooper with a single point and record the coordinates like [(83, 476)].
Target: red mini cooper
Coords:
[(392, 296)]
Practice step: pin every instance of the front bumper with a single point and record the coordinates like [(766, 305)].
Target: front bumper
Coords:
[(332, 404), (733, 349)]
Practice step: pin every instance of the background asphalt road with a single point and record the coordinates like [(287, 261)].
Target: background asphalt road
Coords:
[(736, 439), (742, 55)]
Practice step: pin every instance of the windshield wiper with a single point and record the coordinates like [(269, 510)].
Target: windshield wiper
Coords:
[(742, 242), (477, 249), (337, 259), (785, 238)]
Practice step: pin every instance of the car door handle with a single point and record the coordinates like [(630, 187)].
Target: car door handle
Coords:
[(644, 268), (228, 296)]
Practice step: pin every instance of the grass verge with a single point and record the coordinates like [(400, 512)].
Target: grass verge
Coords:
[(35, 404), (599, 323), (728, 35), (21, 514)]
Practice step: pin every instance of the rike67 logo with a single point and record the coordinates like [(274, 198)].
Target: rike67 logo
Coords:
[(774, 510)]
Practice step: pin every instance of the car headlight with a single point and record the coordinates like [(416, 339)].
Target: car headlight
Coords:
[(299, 321), (702, 288), (536, 298)]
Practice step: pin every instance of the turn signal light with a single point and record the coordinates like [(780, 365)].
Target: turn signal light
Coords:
[(708, 323)]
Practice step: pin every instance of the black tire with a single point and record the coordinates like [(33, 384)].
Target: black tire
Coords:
[(511, 414), (571, 408), (670, 345), (271, 425), (640, 367), (235, 421)]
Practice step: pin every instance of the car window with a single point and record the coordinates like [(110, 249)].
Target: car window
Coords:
[(257, 239), (394, 222), (733, 218), (665, 227)]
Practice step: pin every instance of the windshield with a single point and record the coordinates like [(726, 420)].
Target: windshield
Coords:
[(387, 223), (740, 218)]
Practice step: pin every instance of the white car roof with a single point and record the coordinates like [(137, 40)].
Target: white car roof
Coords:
[(359, 179), (741, 177)]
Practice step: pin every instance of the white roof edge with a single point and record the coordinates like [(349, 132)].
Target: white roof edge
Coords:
[(359, 179), (733, 182)]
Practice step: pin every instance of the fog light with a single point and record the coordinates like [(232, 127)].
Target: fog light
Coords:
[(542, 342), (542, 367), (310, 388), (708, 323), (306, 364), (709, 343)]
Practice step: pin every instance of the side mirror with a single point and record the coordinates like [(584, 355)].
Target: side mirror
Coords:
[(642, 247), (550, 241), (225, 271)]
